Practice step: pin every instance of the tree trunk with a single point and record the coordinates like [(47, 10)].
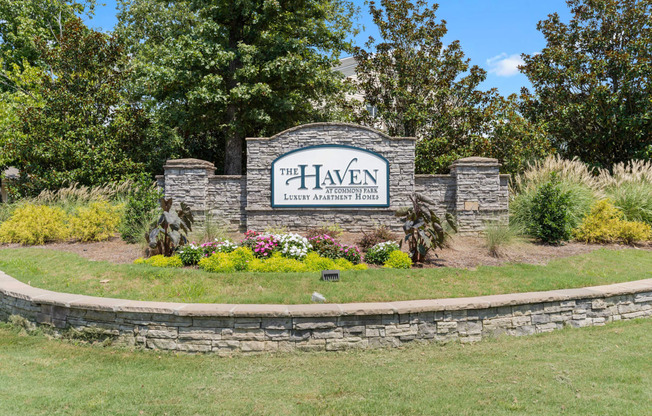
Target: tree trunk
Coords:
[(233, 148)]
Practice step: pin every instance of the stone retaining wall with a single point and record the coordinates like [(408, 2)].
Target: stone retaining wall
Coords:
[(224, 328)]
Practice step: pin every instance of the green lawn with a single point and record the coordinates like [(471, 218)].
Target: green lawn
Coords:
[(588, 371), (67, 272)]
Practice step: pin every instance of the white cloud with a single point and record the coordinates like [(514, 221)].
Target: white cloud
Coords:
[(503, 65)]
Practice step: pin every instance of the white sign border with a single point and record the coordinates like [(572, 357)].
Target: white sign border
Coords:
[(343, 207)]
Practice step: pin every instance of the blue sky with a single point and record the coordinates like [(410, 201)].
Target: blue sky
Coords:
[(493, 33)]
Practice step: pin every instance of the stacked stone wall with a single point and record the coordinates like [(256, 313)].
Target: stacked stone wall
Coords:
[(224, 329), (474, 191)]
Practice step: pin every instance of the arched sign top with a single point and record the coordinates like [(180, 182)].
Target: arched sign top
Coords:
[(330, 175)]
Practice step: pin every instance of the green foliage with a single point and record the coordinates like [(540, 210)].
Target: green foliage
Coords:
[(33, 224), (190, 254), (219, 71), (574, 178), (140, 210), (161, 261), (217, 263), (629, 186), (241, 257), (82, 128), (332, 230), (379, 234), (279, 264), (27, 21), (634, 200), (314, 262), (424, 230), (605, 224), (171, 229), (398, 260), (96, 222), (592, 81), (550, 213), (499, 235), (420, 87), (379, 253)]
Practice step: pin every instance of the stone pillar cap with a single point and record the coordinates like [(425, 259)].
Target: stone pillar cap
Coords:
[(188, 164), (475, 161)]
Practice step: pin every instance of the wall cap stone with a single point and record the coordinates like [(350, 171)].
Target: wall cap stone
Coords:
[(475, 161), (16, 289), (331, 125), (188, 164)]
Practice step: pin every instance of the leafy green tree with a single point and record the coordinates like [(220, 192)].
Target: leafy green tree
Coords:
[(23, 21), (422, 88), (82, 129), (593, 81), (219, 71)]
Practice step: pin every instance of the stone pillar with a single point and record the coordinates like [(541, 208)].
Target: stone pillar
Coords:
[(186, 180), (479, 196)]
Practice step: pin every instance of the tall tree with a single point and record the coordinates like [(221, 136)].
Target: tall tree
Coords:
[(593, 81), (220, 70), (81, 128), (23, 21), (419, 87)]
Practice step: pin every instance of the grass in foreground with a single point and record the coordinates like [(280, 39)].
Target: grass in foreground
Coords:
[(600, 370), (68, 272)]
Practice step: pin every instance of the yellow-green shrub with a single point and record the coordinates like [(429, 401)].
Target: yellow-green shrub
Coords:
[(161, 261), (277, 263), (96, 222), (605, 224), (241, 257), (34, 224), (398, 260), (217, 263), (633, 231), (314, 262), (344, 264)]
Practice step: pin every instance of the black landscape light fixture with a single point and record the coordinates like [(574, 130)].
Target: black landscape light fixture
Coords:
[(330, 275)]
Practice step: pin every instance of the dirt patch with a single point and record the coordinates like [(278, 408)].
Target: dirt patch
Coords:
[(463, 251), (115, 250)]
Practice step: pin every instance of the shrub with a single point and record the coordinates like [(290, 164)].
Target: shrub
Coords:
[(314, 262), (293, 246), (265, 245), (218, 246), (277, 263), (605, 225), (574, 178), (250, 239), (140, 210), (33, 224), (333, 230), (241, 257), (217, 263), (379, 253), (326, 246), (398, 260), (96, 222), (190, 254), (634, 231), (377, 235), (161, 261), (550, 213), (351, 253)]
